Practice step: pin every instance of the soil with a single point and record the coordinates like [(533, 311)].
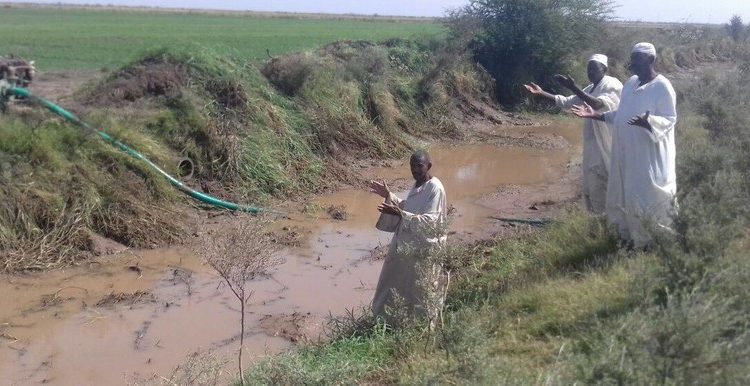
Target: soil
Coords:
[(59, 86), (290, 236), (295, 327), (103, 246)]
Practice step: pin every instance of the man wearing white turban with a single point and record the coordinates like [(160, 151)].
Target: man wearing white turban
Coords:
[(603, 94), (642, 181)]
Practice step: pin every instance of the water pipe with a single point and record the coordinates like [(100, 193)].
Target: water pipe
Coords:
[(8, 91)]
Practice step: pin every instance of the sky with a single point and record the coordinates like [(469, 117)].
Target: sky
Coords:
[(691, 11)]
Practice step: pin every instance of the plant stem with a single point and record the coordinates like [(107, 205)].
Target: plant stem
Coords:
[(242, 337)]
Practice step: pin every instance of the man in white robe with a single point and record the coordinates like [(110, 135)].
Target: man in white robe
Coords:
[(642, 182), (408, 278), (603, 94)]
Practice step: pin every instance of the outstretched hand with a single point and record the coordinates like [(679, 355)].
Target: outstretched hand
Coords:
[(380, 188), (389, 209), (641, 120), (533, 88), (565, 81), (584, 111)]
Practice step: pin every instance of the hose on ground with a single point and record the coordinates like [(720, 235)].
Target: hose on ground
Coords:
[(202, 197)]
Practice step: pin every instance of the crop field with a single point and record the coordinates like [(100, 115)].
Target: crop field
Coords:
[(85, 39)]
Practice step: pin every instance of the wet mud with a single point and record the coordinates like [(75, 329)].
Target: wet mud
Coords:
[(136, 315)]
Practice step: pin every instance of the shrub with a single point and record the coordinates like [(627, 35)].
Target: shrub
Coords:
[(735, 29), (521, 41)]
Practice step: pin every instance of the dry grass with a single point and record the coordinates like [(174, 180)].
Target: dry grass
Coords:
[(128, 299), (59, 187), (200, 368)]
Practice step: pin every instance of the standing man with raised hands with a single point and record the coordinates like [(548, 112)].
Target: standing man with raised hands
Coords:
[(603, 94), (642, 182), (408, 277)]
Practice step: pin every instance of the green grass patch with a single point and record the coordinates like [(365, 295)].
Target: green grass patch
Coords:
[(77, 39), (350, 358), (59, 184)]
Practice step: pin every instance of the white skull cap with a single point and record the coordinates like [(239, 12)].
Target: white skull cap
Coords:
[(644, 47), (600, 58)]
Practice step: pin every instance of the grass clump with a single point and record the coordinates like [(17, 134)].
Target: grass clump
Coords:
[(221, 113), (60, 187), (373, 100), (335, 363)]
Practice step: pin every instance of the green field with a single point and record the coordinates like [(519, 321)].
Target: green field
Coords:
[(79, 39)]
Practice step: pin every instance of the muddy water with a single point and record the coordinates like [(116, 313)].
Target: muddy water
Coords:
[(53, 328)]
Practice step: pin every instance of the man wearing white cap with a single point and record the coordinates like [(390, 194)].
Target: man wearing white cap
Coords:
[(642, 182), (603, 94)]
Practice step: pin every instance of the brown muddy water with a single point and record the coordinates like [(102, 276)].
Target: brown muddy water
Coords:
[(91, 325)]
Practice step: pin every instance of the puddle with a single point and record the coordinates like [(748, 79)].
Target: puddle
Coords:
[(53, 331), (466, 172)]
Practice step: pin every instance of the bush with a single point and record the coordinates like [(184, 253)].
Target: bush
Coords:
[(523, 41), (735, 29), (691, 326)]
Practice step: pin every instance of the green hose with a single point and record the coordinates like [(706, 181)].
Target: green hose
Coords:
[(202, 197)]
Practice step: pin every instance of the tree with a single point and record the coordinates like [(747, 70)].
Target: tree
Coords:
[(530, 40), (735, 28), (239, 254)]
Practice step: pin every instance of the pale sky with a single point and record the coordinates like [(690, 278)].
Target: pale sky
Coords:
[(693, 11)]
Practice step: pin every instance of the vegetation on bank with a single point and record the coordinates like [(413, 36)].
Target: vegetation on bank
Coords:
[(569, 305), (254, 131)]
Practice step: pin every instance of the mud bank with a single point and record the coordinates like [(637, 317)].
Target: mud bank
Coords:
[(134, 316)]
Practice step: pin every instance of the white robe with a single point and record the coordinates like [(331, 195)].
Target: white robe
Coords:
[(642, 181), (423, 211), (597, 141)]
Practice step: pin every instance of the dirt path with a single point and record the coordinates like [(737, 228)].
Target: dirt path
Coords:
[(134, 316), (60, 86)]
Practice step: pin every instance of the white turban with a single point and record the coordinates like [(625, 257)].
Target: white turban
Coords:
[(646, 48), (599, 58)]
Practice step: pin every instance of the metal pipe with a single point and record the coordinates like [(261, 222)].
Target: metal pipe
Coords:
[(185, 168)]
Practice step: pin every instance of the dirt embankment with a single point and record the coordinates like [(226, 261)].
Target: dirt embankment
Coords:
[(297, 124)]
